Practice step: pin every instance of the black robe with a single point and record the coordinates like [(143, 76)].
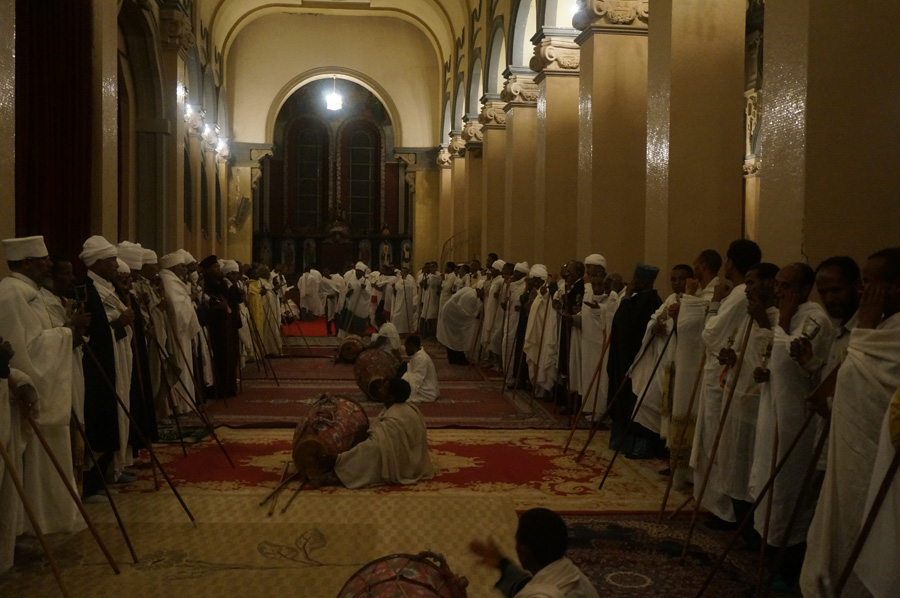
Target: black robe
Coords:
[(142, 406), (101, 415)]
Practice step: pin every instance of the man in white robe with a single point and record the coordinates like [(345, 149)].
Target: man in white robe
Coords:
[(357, 299), (152, 301), (491, 295), (458, 325), (386, 337), (431, 299), (593, 264), (45, 353), (541, 543), (868, 378), (448, 286), (182, 328), (272, 306), (726, 322), (512, 310), (541, 334), (420, 372), (308, 286), (396, 451), (404, 305)]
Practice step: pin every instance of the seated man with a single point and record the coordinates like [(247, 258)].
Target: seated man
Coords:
[(387, 338), (541, 541), (420, 372), (396, 451)]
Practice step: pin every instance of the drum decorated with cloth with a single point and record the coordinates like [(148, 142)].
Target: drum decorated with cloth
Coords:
[(374, 365), (350, 348), (425, 575), (334, 424)]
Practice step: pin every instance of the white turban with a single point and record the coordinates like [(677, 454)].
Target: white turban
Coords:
[(186, 257), (538, 271), (131, 254), (229, 266), (522, 267), (595, 259), (498, 264), (169, 260), (148, 256), (97, 248), (124, 268), (360, 266), (19, 249)]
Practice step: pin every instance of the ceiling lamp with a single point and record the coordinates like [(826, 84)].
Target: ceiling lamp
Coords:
[(334, 101)]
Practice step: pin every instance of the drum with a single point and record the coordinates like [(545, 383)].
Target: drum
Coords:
[(350, 348), (374, 365), (333, 425), (425, 575)]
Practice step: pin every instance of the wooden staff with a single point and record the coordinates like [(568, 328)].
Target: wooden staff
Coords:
[(112, 503), (165, 380), (598, 372), (153, 457), (29, 511), (68, 484), (679, 444), (294, 495), (637, 405), (764, 541), (352, 312), (287, 464), (506, 357), (715, 446), (260, 349), (279, 332), (278, 488)]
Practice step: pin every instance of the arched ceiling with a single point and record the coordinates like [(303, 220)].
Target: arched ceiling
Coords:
[(440, 20)]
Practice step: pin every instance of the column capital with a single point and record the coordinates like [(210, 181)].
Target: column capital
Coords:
[(194, 121), (176, 30), (457, 145), (556, 54), (519, 90), (443, 158), (615, 16), (471, 132), (493, 116)]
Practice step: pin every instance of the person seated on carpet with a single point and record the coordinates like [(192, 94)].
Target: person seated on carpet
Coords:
[(419, 372), (387, 338), (396, 451), (541, 541)]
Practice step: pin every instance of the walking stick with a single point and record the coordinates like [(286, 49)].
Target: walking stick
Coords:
[(275, 500), (352, 312), (715, 446), (764, 540), (594, 378), (112, 503), (637, 406), (90, 352), (29, 511), (68, 484), (294, 495), (679, 445), (506, 356), (165, 379), (278, 488), (889, 476)]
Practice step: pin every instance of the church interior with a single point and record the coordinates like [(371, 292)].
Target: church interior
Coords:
[(320, 133)]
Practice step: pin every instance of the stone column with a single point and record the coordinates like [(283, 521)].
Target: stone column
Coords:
[(426, 216), (458, 245), (195, 124), (105, 144), (223, 155), (474, 139), (445, 204), (208, 155), (694, 138), (556, 59), (7, 123), (520, 94), (493, 190), (612, 132), (831, 130), (177, 38)]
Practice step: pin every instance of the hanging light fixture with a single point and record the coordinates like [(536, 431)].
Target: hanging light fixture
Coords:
[(334, 101)]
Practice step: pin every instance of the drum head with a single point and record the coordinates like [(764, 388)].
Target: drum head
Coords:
[(425, 575)]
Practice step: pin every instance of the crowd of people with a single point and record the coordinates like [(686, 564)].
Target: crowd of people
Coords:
[(736, 371)]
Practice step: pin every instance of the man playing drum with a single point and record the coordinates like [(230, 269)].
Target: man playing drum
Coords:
[(396, 451)]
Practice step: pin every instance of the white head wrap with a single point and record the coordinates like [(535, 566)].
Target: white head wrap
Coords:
[(229, 266), (131, 254), (148, 256), (186, 257), (538, 271), (97, 248), (19, 249), (169, 260), (360, 266), (595, 259), (522, 267), (498, 264), (124, 268)]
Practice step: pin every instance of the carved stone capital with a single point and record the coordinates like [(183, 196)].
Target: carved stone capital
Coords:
[(223, 150), (457, 147), (520, 90), (443, 158), (259, 154), (194, 122), (175, 29), (410, 179), (752, 166), (471, 132), (408, 159), (556, 54), (619, 14), (492, 116)]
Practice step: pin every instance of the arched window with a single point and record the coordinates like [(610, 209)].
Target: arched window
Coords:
[(307, 149), (360, 167)]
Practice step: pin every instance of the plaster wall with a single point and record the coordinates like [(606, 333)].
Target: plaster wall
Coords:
[(7, 122)]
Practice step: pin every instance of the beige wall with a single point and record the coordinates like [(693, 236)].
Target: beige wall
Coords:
[(105, 146), (7, 122), (426, 209), (269, 55)]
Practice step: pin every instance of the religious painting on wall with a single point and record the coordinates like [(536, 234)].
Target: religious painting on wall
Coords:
[(365, 252), (265, 252), (386, 254), (289, 255), (309, 253), (405, 253)]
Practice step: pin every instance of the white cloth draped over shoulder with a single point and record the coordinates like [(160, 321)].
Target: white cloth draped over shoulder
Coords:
[(559, 579), (183, 329), (511, 317), (650, 381), (782, 410), (458, 320), (595, 328), (541, 344), (432, 297), (867, 380), (404, 307), (308, 286), (422, 378), (396, 451), (491, 308)]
